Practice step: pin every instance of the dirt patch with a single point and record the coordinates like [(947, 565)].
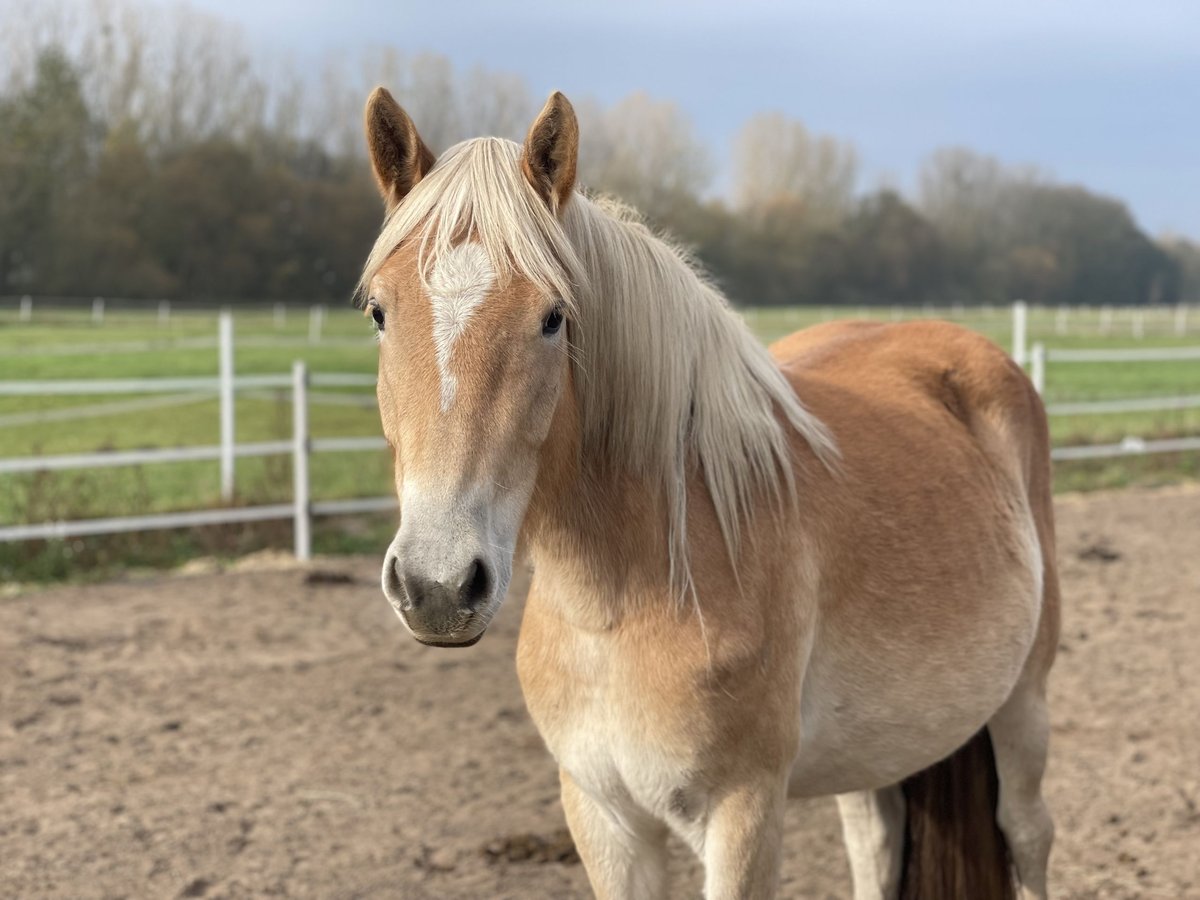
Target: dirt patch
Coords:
[(522, 848), (270, 733)]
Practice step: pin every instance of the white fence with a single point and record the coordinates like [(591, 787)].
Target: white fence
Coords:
[(301, 510), (1132, 444)]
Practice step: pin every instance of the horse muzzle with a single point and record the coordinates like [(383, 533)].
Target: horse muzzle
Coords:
[(450, 607)]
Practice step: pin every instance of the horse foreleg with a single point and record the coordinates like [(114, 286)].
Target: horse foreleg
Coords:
[(625, 859), (873, 827), (742, 841)]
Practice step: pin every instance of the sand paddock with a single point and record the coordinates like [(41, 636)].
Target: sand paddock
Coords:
[(272, 731)]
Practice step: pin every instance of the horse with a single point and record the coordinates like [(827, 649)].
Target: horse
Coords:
[(826, 567)]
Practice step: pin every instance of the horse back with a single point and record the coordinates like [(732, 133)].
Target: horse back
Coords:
[(935, 389)]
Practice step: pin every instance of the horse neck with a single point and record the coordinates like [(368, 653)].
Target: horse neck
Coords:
[(604, 507), (595, 529)]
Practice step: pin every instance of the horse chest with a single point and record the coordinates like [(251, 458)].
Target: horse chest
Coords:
[(616, 765), (606, 727)]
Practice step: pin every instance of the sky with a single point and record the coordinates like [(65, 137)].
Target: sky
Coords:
[(1104, 93)]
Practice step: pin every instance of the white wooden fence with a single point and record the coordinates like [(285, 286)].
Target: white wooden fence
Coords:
[(301, 446), (302, 509), (1132, 444)]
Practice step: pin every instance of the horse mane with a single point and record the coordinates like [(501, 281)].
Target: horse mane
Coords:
[(669, 379)]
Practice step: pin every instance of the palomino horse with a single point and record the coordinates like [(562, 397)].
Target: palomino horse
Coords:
[(827, 568)]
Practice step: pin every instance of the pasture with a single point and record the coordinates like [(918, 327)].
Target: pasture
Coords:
[(65, 341), (273, 731)]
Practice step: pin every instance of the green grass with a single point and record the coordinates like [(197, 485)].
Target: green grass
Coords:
[(41, 349)]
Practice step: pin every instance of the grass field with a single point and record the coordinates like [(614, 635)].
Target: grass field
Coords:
[(60, 343)]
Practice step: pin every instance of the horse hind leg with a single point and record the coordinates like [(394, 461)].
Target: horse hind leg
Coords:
[(873, 827), (1020, 733)]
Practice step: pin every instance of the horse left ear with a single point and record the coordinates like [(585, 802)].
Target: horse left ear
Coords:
[(552, 151)]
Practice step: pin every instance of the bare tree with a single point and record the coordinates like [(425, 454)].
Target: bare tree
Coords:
[(779, 163), (496, 104), (644, 151), (965, 193), (179, 73)]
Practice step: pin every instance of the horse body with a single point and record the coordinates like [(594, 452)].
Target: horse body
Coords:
[(829, 571), (931, 566), (867, 640)]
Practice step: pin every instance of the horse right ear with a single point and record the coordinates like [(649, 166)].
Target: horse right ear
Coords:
[(399, 158)]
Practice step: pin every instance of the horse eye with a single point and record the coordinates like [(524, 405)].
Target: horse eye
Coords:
[(552, 322), (377, 315)]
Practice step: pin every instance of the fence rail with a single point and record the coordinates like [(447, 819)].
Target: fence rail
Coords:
[(96, 386), (1133, 354), (214, 385), (110, 458), (86, 527), (1130, 446)]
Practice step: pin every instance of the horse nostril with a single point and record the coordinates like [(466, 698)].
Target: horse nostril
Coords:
[(417, 590), (477, 583), (392, 585)]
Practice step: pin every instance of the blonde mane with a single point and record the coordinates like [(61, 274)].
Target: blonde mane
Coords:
[(668, 376)]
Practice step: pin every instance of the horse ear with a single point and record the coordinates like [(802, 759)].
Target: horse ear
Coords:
[(399, 157), (552, 151)]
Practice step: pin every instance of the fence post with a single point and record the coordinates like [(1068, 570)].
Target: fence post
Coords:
[(302, 523), (225, 356), (280, 315), (164, 313), (1038, 373), (1137, 324), (1181, 319), (98, 311), (1060, 320), (316, 319), (26, 308), (1019, 313)]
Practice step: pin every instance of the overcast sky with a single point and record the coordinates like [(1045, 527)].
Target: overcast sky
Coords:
[(1101, 92)]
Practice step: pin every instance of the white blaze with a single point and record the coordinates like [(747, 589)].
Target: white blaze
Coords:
[(460, 280)]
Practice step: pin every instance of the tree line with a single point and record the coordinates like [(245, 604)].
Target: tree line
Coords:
[(146, 152)]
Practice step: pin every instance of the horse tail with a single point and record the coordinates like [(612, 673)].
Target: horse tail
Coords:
[(953, 848)]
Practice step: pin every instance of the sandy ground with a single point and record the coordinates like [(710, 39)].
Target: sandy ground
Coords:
[(275, 733)]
